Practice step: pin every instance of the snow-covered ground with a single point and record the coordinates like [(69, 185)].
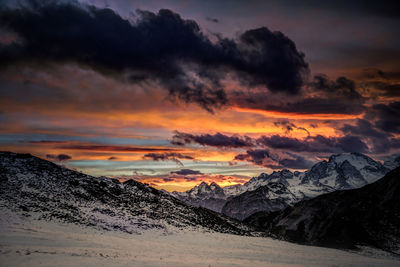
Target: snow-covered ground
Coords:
[(25, 242)]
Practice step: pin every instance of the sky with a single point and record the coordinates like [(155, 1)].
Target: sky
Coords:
[(172, 93)]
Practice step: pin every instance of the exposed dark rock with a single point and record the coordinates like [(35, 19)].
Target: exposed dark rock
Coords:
[(271, 197), (343, 219)]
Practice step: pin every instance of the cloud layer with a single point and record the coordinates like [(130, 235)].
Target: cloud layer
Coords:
[(160, 47), (59, 157), (176, 157)]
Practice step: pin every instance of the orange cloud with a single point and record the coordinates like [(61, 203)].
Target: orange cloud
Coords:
[(175, 182)]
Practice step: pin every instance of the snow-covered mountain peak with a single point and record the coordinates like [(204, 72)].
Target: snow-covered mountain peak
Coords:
[(358, 160), (262, 176), (211, 196), (345, 171), (340, 171), (214, 186), (393, 161), (204, 188), (281, 175)]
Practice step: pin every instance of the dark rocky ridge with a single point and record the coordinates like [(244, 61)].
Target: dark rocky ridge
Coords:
[(272, 197), (35, 187), (343, 219)]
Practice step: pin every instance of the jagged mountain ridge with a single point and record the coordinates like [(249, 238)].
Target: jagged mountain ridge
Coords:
[(210, 196), (342, 219), (31, 186), (215, 197), (273, 196), (341, 171), (345, 171), (393, 161)]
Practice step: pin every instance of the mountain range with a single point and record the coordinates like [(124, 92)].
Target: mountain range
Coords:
[(284, 188), (346, 218), (40, 189)]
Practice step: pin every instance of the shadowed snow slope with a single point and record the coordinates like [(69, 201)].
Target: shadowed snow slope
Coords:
[(369, 216), (39, 188)]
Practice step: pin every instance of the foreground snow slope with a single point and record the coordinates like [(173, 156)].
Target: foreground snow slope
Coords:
[(28, 242)]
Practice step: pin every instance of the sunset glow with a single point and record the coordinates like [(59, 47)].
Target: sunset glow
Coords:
[(212, 100)]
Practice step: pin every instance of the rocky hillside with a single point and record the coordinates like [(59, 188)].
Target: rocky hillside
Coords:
[(272, 197), (34, 187), (343, 219)]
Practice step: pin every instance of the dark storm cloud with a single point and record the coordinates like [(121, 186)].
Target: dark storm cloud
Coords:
[(59, 157), (389, 8), (320, 96), (388, 89), (374, 73), (187, 172), (342, 87), (212, 19), (363, 128), (257, 156), (318, 105), (289, 126), (168, 156), (295, 162), (283, 142), (348, 143), (266, 158), (318, 143), (160, 47), (216, 140), (380, 141), (334, 97), (386, 83), (277, 149), (385, 116)]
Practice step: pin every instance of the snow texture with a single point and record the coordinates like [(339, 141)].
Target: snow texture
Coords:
[(28, 242)]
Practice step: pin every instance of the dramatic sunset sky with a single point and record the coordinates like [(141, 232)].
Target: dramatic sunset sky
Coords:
[(173, 93)]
